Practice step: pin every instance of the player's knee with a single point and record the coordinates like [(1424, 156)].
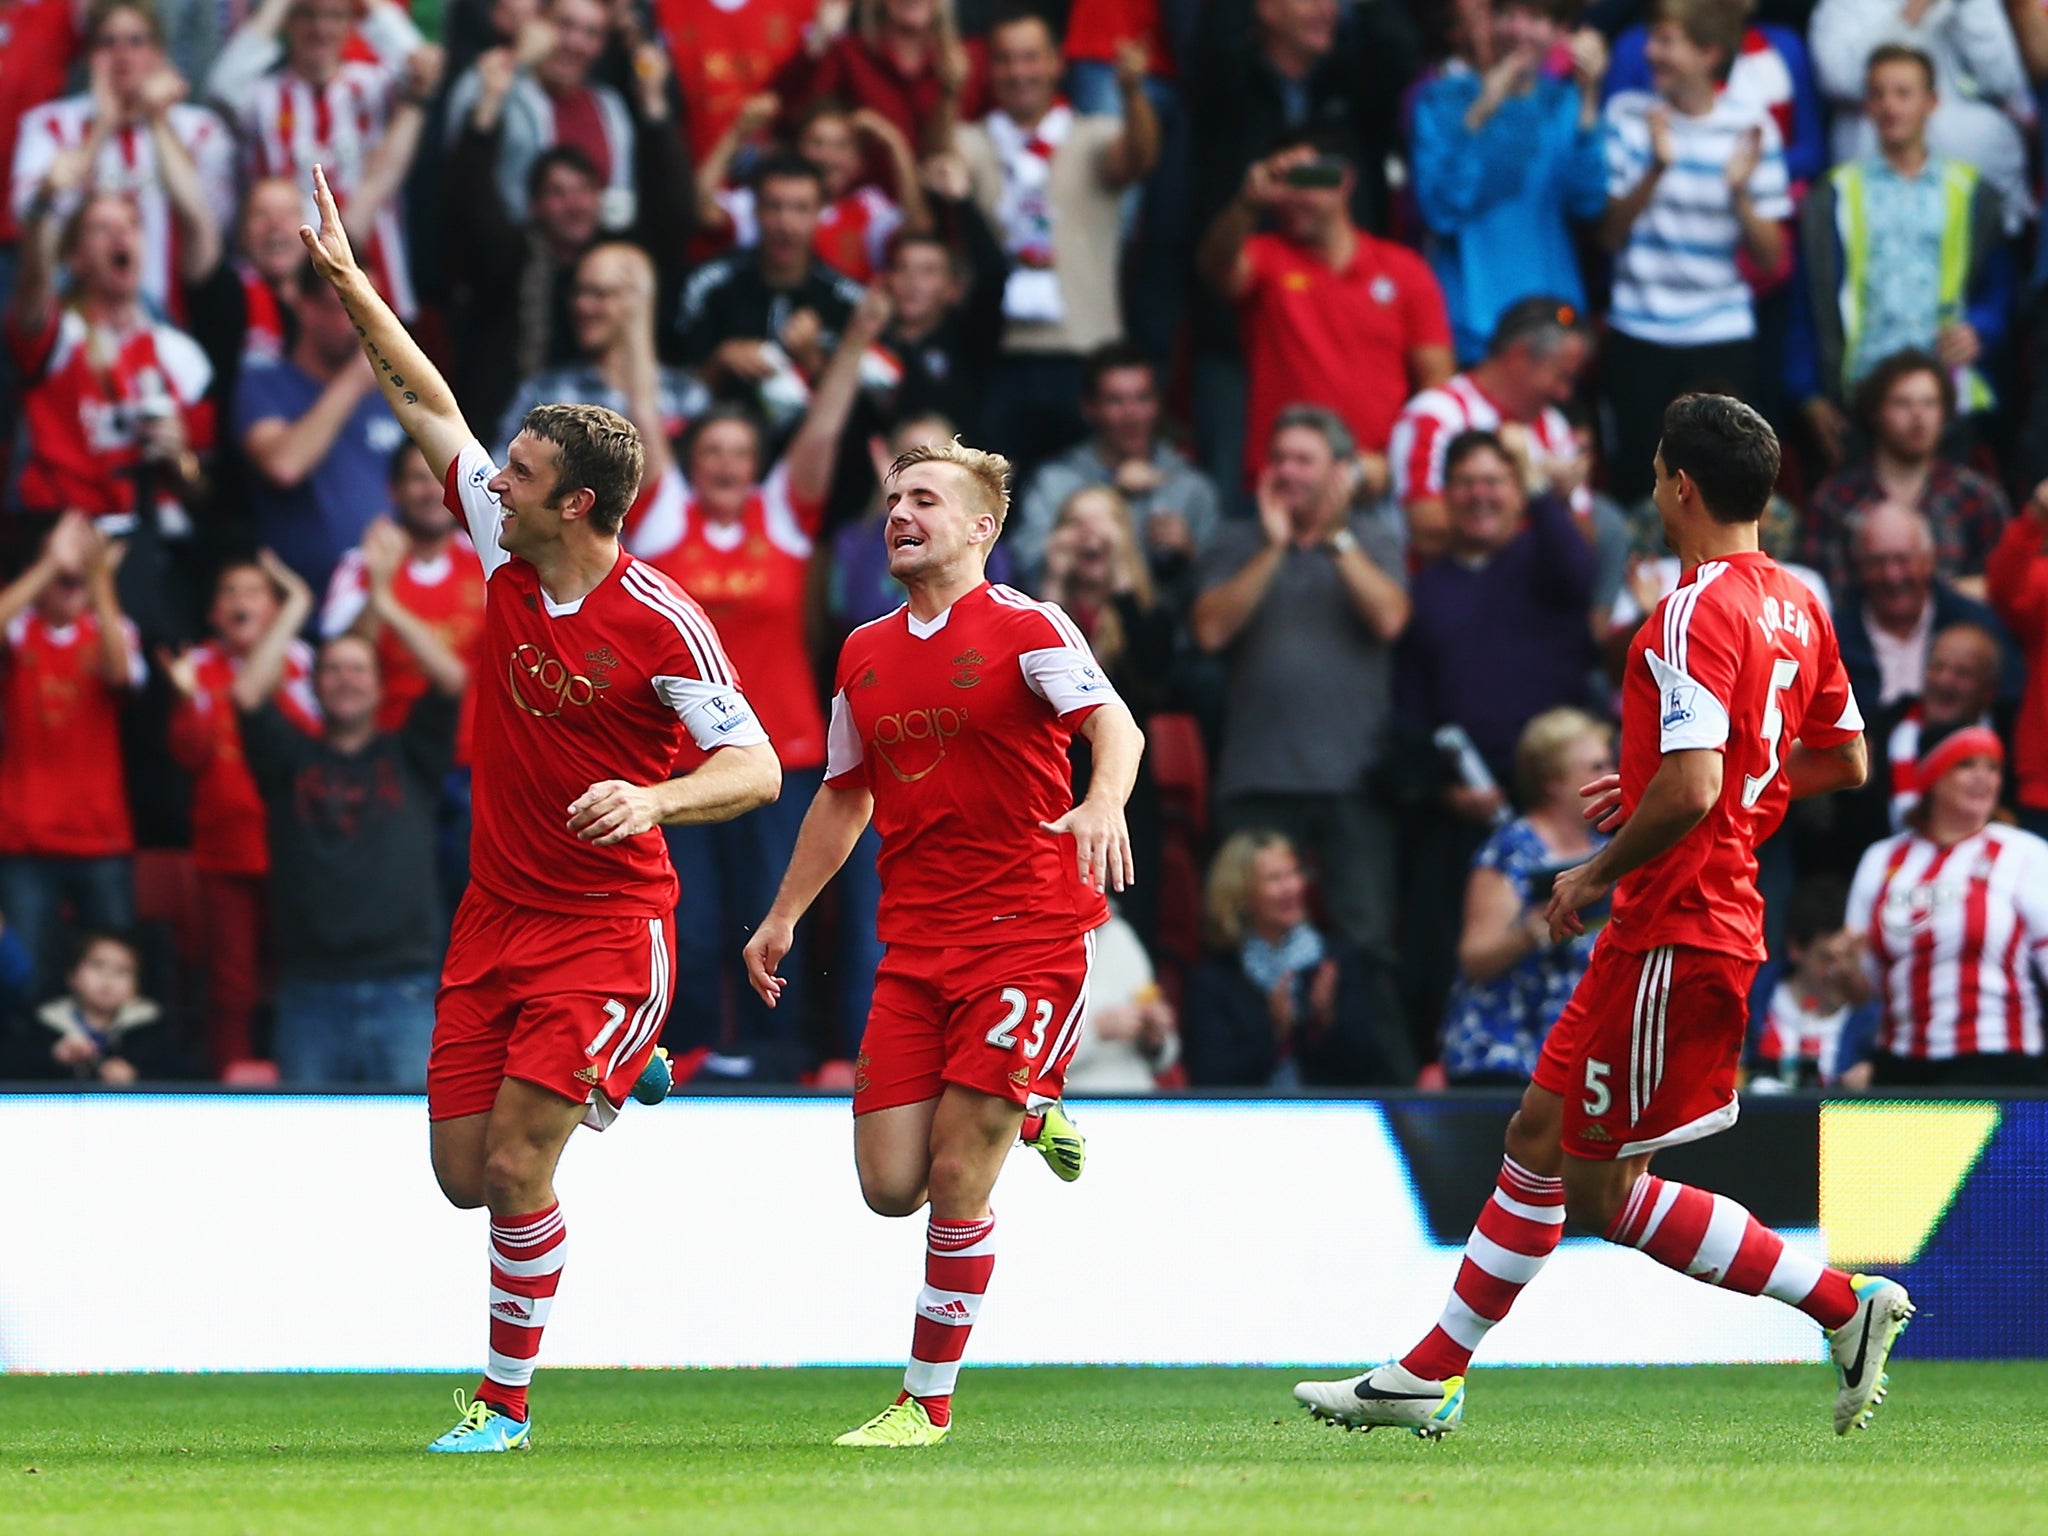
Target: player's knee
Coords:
[(885, 1198), (509, 1177)]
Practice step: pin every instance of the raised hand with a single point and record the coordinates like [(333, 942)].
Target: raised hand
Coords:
[(332, 256), (181, 667), (947, 176), (1662, 148), (1275, 521), (289, 582), (1749, 154), (385, 547)]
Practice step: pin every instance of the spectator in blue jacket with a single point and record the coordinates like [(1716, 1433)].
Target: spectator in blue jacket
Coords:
[(1506, 153)]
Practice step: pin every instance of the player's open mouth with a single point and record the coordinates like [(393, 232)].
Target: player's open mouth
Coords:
[(906, 541)]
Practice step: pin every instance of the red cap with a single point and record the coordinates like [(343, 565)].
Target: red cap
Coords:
[(1959, 747)]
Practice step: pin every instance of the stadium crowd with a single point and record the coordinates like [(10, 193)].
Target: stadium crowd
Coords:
[(1329, 340)]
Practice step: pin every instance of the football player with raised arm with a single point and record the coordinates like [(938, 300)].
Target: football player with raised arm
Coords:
[(598, 675)]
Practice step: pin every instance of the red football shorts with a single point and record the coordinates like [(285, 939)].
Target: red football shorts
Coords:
[(570, 1004), (1002, 1019), (1645, 1053)]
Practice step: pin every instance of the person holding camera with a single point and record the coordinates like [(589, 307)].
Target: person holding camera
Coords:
[(1330, 315), (114, 401), (1513, 981)]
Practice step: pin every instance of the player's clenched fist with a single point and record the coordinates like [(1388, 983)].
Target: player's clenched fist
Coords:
[(764, 953), (611, 812)]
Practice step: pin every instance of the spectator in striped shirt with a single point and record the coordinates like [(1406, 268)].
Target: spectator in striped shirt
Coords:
[(1695, 182), (1954, 911), (142, 141), (299, 96), (1532, 364)]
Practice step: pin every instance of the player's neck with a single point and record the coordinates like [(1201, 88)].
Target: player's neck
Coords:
[(571, 571), (1707, 540), (933, 596)]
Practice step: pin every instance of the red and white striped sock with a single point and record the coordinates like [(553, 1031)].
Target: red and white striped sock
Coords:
[(958, 1259), (1518, 1229), (526, 1266), (1713, 1239)]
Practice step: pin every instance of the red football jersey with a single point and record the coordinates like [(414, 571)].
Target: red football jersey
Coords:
[(230, 825), (62, 791), (1739, 659), (571, 694), (85, 411), (753, 579), (37, 40), (960, 727), (447, 592)]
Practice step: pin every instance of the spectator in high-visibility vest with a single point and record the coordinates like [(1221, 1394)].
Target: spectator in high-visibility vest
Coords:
[(1904, 249)]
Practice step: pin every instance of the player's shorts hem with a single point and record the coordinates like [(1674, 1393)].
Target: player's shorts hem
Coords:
[(910, 1093), (1711, 1123)]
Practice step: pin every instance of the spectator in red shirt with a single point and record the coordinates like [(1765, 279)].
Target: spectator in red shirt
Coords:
[(37, 41), (726, 52), (742, 547), (860, 222), (111, 397), (1330, 315), (435, 576), (904, 60), (230, 845), (71, 658)]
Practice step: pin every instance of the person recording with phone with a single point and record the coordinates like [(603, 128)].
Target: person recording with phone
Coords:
[(1331, 316), (1513, 981)]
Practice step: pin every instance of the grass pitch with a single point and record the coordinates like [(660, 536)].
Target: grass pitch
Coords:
[(1743, 1451)]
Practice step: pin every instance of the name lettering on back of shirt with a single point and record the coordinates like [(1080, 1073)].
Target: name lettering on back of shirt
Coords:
[(1785, 618)]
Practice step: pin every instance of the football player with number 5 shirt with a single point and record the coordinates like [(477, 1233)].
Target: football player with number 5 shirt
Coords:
[(1734, 704), (595, 671), (950, 724)]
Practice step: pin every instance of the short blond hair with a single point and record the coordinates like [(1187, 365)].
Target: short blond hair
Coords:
[(1539, 755), (990, 472), (1229, 889)]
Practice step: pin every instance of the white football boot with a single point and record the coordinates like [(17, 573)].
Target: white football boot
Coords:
[(1862, 1345), (1389, 1397)]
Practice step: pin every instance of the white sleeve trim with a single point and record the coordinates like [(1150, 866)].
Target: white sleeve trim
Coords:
[(715, 714), (785, 532), (660, 526), (1852, 717), (481, 513), (1689, 716), (843, 751), (1066, 678), (138, 669), (348, 593)]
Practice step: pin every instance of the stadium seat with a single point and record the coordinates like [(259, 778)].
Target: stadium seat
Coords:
[(1180, 769)]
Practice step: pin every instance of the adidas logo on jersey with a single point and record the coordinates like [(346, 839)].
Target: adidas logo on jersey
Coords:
[(1595, 1133)]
